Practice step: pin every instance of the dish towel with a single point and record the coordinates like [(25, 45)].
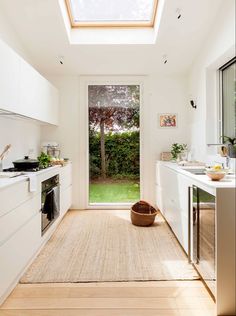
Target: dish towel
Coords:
[(50, 206), (32, 182)]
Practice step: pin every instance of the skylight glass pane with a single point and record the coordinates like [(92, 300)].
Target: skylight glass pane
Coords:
[(112, 10)]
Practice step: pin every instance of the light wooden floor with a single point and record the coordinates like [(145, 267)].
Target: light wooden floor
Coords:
[(169, 298), (182, 298)]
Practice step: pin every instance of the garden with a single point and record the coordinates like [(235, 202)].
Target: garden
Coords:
[(114, 144)]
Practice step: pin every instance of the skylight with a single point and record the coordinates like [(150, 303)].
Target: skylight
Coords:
[(112, 13)]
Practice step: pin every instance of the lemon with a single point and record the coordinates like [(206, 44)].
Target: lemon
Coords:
[(217, 167)]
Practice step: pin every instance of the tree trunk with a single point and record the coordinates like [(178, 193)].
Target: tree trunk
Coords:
[(103, 152)]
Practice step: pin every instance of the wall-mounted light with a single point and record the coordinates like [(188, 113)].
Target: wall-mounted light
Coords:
[(164, 58), (178, 13), (61, 60), (193, 104)]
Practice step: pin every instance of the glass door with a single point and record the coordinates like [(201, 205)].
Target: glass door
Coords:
[(114, 144)]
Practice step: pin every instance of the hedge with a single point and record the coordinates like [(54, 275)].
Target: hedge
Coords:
[(122, 155)]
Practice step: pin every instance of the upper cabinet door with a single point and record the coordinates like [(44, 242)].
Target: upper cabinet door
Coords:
[(38, 97), (24, 91), (9, 78)]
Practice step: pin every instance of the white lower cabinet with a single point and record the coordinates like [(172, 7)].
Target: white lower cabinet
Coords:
[(66, 198), (16, 253), (65, 188), (173, 197), (172, 201), (20, 225), (15, 219)]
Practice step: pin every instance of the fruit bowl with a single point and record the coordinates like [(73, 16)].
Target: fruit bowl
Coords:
[(215, 175)]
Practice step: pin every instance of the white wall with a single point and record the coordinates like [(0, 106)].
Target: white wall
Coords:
[(217, 49), (161, 95), (9, 35), (24, 136)]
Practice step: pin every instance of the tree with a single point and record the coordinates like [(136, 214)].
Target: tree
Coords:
[(112, 108)]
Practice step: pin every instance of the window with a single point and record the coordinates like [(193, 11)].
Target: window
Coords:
[(228, 98), (112, 13)]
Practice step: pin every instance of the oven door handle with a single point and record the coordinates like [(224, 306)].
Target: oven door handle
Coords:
[(190, 207), (198, 228)]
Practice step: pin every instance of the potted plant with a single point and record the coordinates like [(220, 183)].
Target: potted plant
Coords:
[(231, 141), (44, 160), (177, 150)]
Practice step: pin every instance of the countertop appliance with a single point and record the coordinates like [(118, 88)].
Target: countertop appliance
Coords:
[(52, 149), (50, 202), (202, 217)]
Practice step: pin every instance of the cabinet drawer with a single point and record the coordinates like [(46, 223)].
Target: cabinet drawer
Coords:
[(17, 251), (66, 176), (15, 219), (13, 196)]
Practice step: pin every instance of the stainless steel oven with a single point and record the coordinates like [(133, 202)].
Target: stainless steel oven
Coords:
[(50, 202), (202, 235)]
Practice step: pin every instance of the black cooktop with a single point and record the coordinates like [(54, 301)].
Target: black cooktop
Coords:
[(19, 170)]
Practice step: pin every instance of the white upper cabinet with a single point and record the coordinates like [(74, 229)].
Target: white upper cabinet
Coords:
[(24, 91), (9, 78)]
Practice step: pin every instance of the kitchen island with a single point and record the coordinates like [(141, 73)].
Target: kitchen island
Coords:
[(174, 198)]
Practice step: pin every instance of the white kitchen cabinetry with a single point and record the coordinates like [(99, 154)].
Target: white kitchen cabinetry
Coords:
[(20, 232), (38, 99), (9, 78), (66, 188), (24, 91), (172, 198), (172, 201), (20, 224)]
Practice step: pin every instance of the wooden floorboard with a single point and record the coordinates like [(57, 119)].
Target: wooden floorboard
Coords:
[(174, 298)]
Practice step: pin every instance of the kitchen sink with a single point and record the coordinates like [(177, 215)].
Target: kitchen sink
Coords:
[(196, 171)]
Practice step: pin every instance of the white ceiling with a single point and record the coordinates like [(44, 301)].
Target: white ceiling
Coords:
[(41, 29)]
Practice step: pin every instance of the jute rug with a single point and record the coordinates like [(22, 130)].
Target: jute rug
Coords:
[(100, 247)]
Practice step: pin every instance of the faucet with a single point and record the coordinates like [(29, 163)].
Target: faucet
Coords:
[(227, 161)]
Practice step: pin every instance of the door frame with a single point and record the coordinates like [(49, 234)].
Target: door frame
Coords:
[(85, 81)]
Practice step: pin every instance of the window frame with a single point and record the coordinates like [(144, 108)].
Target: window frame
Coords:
[(221, 107), (112, 24)]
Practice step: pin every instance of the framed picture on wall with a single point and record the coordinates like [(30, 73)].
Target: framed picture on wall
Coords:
[(167, 120)]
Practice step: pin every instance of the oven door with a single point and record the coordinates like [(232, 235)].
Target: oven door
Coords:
[(50, 207)]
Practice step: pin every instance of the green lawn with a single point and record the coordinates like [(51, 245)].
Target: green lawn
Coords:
[(114, 192)]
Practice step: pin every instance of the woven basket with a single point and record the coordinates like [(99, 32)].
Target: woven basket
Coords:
[(142, 214)]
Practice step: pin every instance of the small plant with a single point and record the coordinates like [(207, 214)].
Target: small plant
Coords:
[(177, 149), (44, 160), (231, 141)]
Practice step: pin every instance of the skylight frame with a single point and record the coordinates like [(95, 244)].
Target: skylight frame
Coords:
[(112, 24)]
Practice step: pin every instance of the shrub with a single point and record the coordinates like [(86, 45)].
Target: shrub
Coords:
[(122, 155)]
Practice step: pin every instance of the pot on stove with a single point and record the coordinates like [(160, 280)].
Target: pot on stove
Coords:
[(26, 163)]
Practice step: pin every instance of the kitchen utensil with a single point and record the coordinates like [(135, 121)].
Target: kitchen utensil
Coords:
[(26, 163), (5, 151)]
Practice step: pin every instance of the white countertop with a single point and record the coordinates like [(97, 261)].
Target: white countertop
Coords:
[(229, 181), (5, 182)]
